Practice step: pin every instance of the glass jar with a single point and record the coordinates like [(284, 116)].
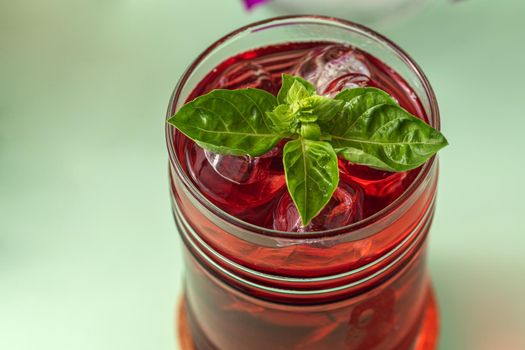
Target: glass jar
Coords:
[(364, 286)]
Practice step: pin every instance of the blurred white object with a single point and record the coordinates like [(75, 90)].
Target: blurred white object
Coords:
[(362, 11)]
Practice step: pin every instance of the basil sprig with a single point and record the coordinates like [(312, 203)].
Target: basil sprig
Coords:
[(362, 125)]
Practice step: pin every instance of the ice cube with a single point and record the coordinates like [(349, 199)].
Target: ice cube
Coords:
[(236, 184), (243, 75), (347, 81), (377, 183), (380, 187), (327, 64), (239, 170), (344, 208)]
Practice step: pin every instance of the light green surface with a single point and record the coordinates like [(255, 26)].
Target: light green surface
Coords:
[(89, 257)]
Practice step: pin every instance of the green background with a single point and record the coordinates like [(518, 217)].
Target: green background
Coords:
[(89, 255)]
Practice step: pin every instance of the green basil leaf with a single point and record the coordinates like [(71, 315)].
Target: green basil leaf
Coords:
[(376, 94), (229, 121), (325, 108), (386, 137), (283, 120), (310, 131), (359, 156), (302, 88), (312, 175), (357, 101), (297, 93)]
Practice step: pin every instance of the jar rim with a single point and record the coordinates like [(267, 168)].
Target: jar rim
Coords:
[(308, 19)]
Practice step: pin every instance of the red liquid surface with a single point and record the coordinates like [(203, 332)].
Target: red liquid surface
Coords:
[(253, 189), (393, 311)]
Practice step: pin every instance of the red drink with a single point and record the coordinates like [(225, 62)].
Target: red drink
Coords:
[(355, 278)]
